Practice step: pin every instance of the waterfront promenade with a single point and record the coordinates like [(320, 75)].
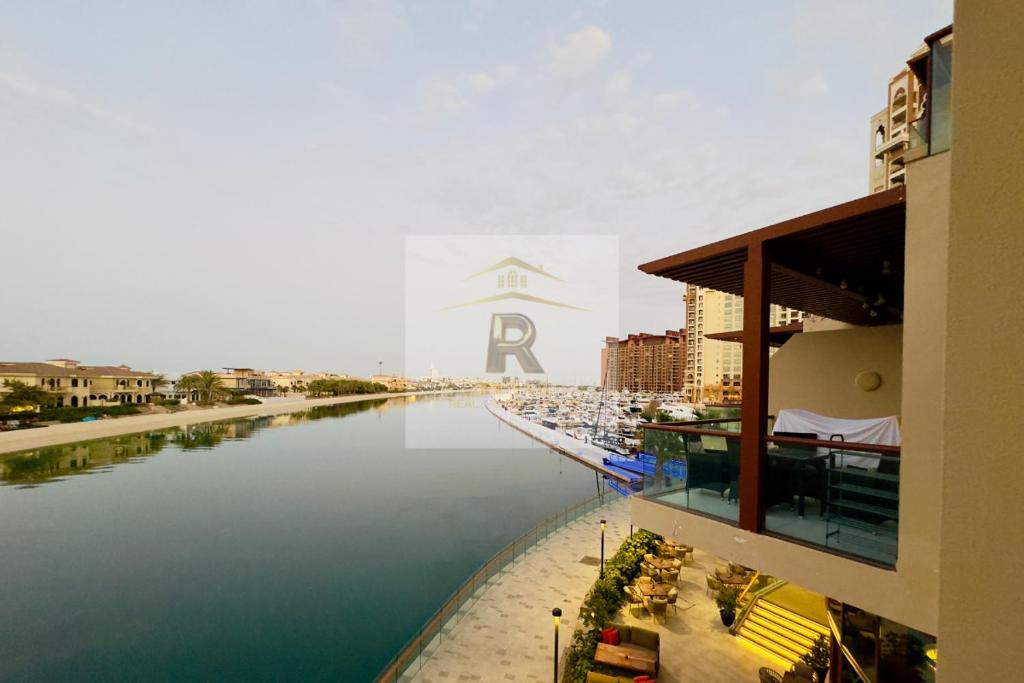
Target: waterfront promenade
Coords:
[(588, 454), (507, 633), (53, 435)]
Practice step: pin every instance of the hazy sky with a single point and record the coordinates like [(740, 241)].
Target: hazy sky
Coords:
[(197, 184)]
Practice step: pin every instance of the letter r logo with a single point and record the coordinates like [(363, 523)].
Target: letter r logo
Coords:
[(500, 345)]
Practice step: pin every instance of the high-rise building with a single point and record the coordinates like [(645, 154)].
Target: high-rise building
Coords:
[(644, 362), (713, 369)]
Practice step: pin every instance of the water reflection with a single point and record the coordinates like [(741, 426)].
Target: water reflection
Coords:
[(27, 469)]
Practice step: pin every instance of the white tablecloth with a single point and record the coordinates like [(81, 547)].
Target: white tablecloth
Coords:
[(876, 430)]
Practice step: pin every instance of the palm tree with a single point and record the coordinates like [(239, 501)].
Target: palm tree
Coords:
[(206, 383), (20, 394)]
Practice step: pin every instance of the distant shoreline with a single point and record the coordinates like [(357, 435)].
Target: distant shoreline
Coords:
[(54, 435)]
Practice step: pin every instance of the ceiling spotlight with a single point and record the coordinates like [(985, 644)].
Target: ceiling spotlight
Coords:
[(880, 300), (874, 313), (844, 285)]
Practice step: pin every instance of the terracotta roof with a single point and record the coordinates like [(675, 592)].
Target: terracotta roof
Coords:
[(17, 368)]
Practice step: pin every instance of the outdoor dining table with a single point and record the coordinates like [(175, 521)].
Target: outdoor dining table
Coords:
[(734, 579), (661, 563), (626, 656), (654, 590)]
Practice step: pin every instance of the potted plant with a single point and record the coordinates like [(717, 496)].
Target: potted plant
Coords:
[(727, 599), (818, 657)]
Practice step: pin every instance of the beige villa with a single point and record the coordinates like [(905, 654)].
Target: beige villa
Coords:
[(78, 385)]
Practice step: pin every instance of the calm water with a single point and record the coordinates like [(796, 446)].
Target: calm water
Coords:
[(241, 551)]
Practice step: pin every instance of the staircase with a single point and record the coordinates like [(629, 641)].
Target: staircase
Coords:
[(782, 632)]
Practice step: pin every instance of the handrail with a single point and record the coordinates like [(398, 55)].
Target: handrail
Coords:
[(434, 626), (747, 587), (847, 655), (881, 449), (778, 583)]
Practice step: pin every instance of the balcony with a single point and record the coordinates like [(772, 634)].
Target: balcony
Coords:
[(836, 496)]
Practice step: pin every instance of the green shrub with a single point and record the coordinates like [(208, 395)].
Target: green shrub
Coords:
[(243, 401), (76, 414), (604, 601)]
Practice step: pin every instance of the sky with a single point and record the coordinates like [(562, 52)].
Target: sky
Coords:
[(201, 185)]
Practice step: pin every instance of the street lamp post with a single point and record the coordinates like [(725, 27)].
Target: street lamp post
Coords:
[(557, 614), (603, 523)]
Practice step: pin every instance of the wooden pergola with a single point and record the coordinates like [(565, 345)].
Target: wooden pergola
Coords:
[(845, 263)]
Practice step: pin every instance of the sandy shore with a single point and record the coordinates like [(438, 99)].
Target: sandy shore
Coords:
[(83, 431)]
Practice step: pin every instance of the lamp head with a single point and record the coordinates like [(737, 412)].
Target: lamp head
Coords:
[(557, 614), (603, 524)]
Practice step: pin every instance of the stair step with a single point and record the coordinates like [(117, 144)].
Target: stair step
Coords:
[(800, 640), (766, 644), (793, 617), (779, 640)]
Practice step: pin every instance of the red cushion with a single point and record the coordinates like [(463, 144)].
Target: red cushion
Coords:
[(643, 679), (610, 636)]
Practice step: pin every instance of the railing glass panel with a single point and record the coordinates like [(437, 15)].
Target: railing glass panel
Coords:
[(693, 468), (838, 496)]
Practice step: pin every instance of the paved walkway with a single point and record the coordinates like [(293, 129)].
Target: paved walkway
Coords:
[(508, 633), (53, 435)]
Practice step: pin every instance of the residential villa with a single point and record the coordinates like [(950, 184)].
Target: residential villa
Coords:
[(77, 385), (392, 382), (247, 381), (291, 381), (903, 542)]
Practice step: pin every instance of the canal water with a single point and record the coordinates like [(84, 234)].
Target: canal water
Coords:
[(297, 547)]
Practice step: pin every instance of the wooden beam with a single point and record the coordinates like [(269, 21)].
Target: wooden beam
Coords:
[(754, 413)]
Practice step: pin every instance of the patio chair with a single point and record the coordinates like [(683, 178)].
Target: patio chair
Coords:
[(656, 606), (670, 576), (645, 569), (722, 573), (648, 557), (645, 580), (672, 597), (737, 569), (714, 585), (633, 599), (766, 675)]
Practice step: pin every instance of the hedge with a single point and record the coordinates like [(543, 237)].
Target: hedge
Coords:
[(604, 601)]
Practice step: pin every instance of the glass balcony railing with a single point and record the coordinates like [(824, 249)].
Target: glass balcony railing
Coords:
[(841, 497), (696, 467)]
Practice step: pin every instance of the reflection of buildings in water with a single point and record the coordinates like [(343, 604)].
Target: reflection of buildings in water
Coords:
[(45, 464), (40, 465)]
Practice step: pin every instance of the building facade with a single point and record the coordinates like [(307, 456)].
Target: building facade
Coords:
[(76, 385), (247, 381), (645, 362), (929, 269), (713, 369)]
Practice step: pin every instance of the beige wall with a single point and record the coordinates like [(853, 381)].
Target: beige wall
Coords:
[(904, 597), (816, 371), (981, 618)]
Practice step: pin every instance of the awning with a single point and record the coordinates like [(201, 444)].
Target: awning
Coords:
[(777, 336), (844, 262)]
